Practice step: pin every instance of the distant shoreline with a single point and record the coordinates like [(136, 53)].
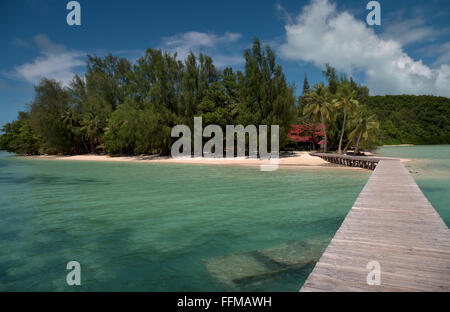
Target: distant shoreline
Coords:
[(297, 160)]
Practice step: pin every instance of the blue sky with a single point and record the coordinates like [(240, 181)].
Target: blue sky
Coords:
[(408, 53)]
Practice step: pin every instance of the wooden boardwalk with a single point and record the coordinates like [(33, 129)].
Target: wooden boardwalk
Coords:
[(394, 224), (350, 161)]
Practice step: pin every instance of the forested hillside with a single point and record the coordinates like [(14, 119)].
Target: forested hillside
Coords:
[(410, 119)]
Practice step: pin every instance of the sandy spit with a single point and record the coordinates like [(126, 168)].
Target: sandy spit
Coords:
[(296, 160)]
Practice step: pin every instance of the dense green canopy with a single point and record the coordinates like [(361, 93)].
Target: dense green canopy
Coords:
[(124, 108), (410, 119)]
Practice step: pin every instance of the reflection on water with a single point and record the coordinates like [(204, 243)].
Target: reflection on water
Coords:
[(161, 227)]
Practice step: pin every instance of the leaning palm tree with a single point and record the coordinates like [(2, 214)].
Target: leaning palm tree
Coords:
[(345, 101), (367, 127), (318, 108)]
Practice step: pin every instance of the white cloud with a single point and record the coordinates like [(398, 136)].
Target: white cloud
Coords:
[(47, 46), (322, 35), (54, 62), (441, 52), (208, 43), (409, 31), (410, 26)]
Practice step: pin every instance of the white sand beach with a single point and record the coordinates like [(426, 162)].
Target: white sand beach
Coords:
[(296, 159)]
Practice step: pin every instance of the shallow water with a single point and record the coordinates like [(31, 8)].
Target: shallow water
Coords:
[(165, 227), (430, 167)]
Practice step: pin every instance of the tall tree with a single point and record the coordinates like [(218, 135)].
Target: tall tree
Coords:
[(47, 116), (319, 108), (306, 87), (190, 86), (332, 77), (266, 97), (345, 101), (95, 96), (108, 77)]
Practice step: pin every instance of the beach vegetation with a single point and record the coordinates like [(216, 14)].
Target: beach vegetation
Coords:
[(125, 108)]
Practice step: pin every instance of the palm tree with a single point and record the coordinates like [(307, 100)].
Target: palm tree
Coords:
[(318, 108), (345, 101), (70, 122), (94, 120), (366, 129), (91, 129)]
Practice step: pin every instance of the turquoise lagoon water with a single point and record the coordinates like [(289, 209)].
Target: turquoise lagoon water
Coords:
[(161, 227), (430, 167)]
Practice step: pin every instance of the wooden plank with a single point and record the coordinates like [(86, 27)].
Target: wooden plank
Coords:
[(394, 224)]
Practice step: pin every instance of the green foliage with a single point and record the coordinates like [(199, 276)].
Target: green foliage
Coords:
[(47, 117), (19, 137), (318, 108), (129, 109), (338, 106), (346, 102), (137, 131), (366, 129), (125, 108), (306, 87), (332, 78), (265, 96), (410, 119), (359, 120)]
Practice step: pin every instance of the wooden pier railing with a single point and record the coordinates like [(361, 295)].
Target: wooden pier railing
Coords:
[(350, 161)]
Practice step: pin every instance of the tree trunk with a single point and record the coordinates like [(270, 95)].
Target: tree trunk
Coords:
[(92, 147), (342, 133), (164, 151), (85, 146), (357, 143), (313, 138), (346, 147), (325, 146)]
